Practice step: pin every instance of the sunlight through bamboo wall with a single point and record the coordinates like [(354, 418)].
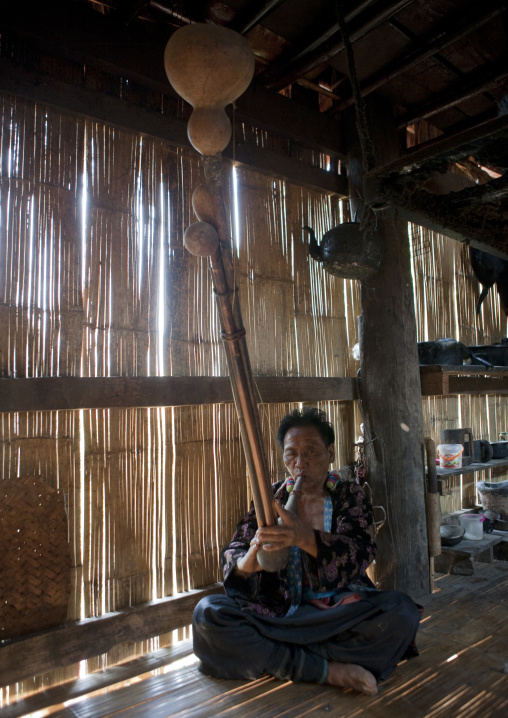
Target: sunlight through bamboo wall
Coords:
[(94, 281)]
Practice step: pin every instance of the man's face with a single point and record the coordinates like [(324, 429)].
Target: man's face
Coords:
[(306, 455)]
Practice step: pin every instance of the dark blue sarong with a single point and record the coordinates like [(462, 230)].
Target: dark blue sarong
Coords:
[(374, 633)]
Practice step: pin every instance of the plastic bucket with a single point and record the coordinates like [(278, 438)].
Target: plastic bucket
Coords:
[(473, 525), (450, 455)]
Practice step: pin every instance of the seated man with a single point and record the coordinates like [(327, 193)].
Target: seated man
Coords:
[(319, 619)]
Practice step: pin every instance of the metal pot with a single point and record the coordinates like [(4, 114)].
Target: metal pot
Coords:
[(499, 449), (482, 450), (491, 518), (451, 534), (348, 251)]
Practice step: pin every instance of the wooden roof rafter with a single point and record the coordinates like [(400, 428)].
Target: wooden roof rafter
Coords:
[(250, 16), (129, 10), (423, 49), (466, 88), (282, 74)]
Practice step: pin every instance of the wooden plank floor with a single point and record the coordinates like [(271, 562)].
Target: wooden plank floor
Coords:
[(462, 670)]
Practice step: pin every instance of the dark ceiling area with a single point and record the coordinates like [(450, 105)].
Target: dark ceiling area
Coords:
[(441, 65)]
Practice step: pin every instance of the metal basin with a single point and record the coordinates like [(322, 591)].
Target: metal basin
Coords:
[(451, 535)]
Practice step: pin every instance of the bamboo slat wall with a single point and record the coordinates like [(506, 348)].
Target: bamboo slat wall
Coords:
[(94, 281)]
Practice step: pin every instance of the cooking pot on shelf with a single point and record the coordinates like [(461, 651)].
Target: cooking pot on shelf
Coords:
[(451, 534), (491, 518), (499, 449), (482, 451)]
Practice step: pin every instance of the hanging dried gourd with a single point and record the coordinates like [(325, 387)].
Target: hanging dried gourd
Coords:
[(210, 66)]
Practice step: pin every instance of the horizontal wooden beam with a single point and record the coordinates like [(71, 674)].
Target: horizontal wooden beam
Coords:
[(122, 113), (273, 112), (440, 147), (98, 680), (483, 230), (63, 393), (289, 168), (459, 231), (47, 650), (73, 393), (497, 385)]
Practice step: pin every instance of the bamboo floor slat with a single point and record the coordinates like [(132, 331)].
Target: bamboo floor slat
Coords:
[(463, 644)]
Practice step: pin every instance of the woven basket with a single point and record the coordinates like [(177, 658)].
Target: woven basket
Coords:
[(35, 578)]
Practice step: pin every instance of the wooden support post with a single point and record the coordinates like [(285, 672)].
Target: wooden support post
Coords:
[(390, 388)]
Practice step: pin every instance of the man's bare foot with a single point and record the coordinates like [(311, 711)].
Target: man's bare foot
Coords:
[(349, 675)]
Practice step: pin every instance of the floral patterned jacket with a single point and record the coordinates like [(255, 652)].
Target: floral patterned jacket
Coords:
[(343, 557)]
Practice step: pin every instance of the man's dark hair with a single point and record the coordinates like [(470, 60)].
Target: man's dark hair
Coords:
[(309, 416)]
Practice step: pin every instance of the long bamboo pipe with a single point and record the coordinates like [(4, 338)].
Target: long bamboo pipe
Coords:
[(211, 238)]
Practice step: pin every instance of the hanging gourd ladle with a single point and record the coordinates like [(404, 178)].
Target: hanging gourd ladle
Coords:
[(210, 67)]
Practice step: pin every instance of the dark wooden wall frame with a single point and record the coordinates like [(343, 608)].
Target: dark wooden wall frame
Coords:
[(42, 652)]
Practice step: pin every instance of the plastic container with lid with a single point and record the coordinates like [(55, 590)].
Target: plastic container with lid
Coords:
[(473, 523)]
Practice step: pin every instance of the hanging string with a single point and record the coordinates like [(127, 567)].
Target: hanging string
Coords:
[(368, 154)]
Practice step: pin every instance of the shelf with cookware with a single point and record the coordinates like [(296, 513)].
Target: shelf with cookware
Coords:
[(472, 468), (444, 474), (460, 453), (450, 380), (486, 508)]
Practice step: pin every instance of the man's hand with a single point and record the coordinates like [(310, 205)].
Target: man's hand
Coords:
[(291, 532), (248, 564)]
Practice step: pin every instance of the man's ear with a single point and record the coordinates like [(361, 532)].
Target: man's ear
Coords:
[(331, 452)]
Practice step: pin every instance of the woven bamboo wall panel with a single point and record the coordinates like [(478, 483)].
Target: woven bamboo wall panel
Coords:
[(120, 294), (40, 277), (289, 296), (35, 577), (192, 344), (446, 293), (271, 335), (126, 470), (209, 490)]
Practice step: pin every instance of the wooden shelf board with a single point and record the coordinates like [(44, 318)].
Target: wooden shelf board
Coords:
[(440, 379), (471, 469), (469, 548)]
